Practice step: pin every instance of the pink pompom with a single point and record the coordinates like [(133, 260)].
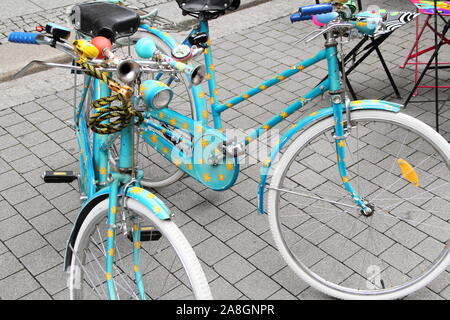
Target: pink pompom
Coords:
[(316, 22)]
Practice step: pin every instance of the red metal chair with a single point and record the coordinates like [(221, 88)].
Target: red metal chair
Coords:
[(427, 8)]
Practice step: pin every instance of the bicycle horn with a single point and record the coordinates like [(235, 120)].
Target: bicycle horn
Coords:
[(146, 49), (128, 71)]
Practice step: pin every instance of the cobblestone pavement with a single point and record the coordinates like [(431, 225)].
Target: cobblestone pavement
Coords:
[(35, 218), (40, 12)]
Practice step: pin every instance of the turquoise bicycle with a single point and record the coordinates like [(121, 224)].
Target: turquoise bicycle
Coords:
[(124, 244), (358, 203)]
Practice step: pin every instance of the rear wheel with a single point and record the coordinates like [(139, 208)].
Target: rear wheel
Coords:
[(396, 163)]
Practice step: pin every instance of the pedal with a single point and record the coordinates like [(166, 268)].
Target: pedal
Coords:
[(147, 234), (59, 176)]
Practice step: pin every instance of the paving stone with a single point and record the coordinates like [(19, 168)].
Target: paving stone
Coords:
[(266, 286), (38, 294), (195, 233), (233, 268), (58, 238), (222, 290), (18, 284), (6, 210), (49, 221), (54, 280), (268, 260), (13, 226), (205, 213), (14, 152), (246, 244), (19, 193), (34, 207), (25, 243), (212, 250), (225, 228), (186, 200), (237, 207), (27, 163), (41, 260), (9, 265)]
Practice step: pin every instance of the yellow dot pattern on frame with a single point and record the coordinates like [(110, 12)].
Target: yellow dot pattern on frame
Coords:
[(212, 100), (230, 166), (266, 127), (136, 190), (136, 268), (108, 276), (281, 78), (151, 195), (189, 166), (284, 114), (229, 105), (165, 150), (345, 179), (204, 143), (138, 245), (111, 252), (206, 177), (161, 115), (201, 95), (156, 209), (263, 87), (154, 138), (221, 177), (135, 227), (341, 143), (205, 114), (212, 67), (173, 121), (185, 125), (177, 162), (246, 96), (110, 233), (114, 210), (102, 170)]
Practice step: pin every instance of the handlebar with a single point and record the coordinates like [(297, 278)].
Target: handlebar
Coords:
[(314, 9), (24, 37)]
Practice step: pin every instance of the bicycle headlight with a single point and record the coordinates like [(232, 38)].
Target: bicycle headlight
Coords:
[(156, 94)]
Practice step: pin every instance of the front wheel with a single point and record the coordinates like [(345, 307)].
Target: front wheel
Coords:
[(168, 266), (400, 167)]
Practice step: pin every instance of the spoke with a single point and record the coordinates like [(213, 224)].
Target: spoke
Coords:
[(312, 197), (318, 221), (399, 179)]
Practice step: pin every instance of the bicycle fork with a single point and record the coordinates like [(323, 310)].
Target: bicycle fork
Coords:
[(110, 253)]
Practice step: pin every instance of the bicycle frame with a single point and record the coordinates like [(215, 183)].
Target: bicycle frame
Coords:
[(337, 109)]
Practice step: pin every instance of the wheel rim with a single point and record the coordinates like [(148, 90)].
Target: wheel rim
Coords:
[(327, 252)]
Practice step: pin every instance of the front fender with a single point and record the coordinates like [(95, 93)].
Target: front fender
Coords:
[(313, 117), (153, 203)]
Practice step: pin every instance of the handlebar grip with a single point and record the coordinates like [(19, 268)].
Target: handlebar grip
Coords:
[(23, 37), (296, 17), (315, 9)]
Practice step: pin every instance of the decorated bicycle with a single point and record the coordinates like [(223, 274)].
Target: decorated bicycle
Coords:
[(358, 203), (124, 243)]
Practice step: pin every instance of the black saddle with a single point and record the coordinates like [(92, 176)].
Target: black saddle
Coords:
[(104, 19), (208, 8)]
